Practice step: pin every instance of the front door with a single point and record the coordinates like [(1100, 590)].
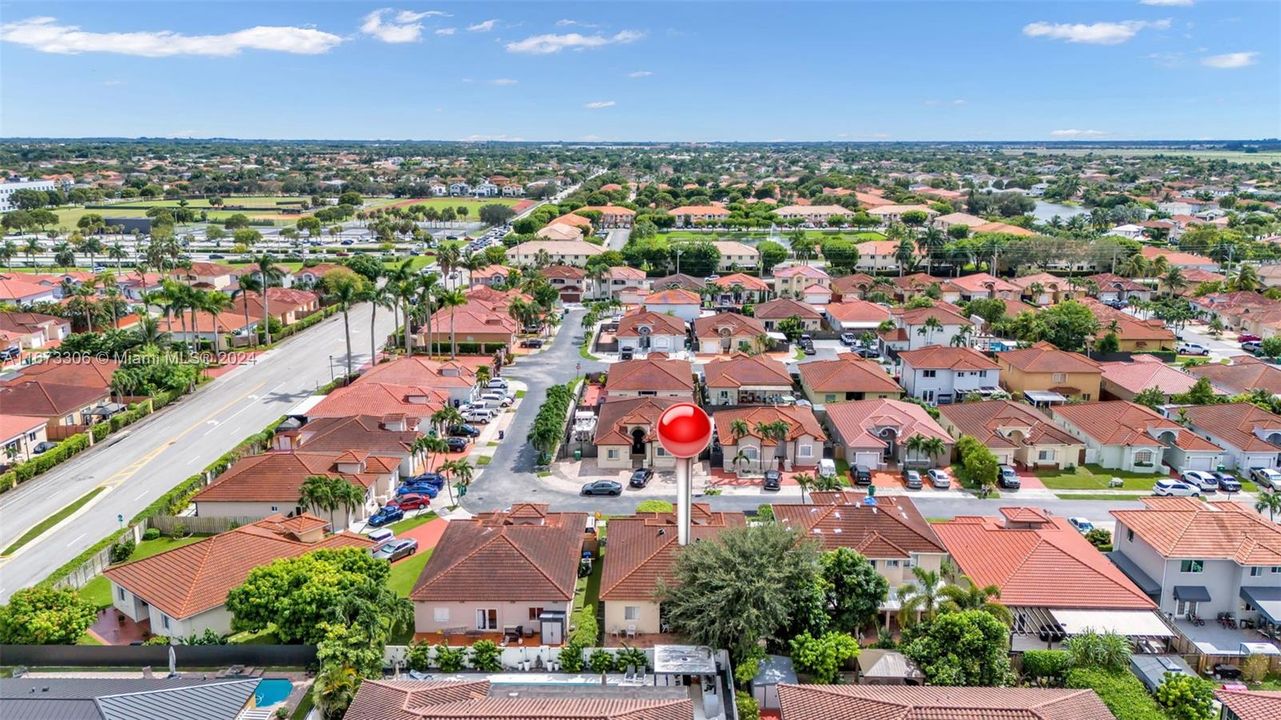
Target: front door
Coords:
[(486, 619)]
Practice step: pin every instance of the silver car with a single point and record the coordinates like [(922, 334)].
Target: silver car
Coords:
[(939, 478), (396, 549)]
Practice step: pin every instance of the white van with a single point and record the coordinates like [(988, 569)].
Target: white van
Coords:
[(827, 468), (381, 535)]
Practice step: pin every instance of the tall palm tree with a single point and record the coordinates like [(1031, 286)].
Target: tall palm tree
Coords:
[(268, 272), (445, 417), (247, 283), (344, 292), (919, 600), (451, 299), (1270, 501), (738, 428), (148, 331), (317, 493), (484, 375), (378, 296), (928, 328), (346, 496), (1135, 266), (967, 596), (31, 249), (1174, 280), (214, 302), (430, 445), (461, 472), (448, 256), (7, 250)]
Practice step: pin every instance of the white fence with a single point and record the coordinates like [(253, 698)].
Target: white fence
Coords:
[(527, 657)]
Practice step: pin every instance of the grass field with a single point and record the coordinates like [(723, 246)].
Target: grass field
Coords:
[(1231, 155), (413, 522), (39, 528), (406, 572), (98, 590)]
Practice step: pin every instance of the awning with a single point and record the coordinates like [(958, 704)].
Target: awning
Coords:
[(775, 335), (1266, 599), (1150, 587), (1130, 623), (1044, 396), (1192, 593)]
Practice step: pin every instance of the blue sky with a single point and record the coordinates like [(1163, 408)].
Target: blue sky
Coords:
[(1134, 69)]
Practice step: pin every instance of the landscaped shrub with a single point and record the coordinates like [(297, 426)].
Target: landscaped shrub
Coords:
[(631, 656), (571, 657), (601, 661), (121, 551), (450, 659), (151, 534), (1046, 668), (486, 657), (1185, 697), (418, 656), (1121, 691), (748, 709)]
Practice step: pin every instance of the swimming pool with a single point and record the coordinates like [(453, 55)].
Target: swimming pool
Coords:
[(272, 691)]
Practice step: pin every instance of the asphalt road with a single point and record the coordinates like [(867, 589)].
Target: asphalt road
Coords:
[(166, 448)]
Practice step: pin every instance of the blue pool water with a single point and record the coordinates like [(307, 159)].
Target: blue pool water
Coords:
[(272, 691)]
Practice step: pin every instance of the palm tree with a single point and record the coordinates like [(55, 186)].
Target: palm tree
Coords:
[(805, 482), (214, 302), (460, 471), (148, 331), (484, 375), (117, 252), (967, 596), (268, 272), (445, 417), (1270, 501), (963, 336), (929, 242), (7, 250), (1135, 266), (344, 292), (247, 283), (346, 496), (1174, 280), (1246, 278), (738, 428), (333, 690), (928, 328), (447, 256), (317, 493), (452, 299), (430, 445), (904, 254), (31, 249), (378, 296), (919, 600)]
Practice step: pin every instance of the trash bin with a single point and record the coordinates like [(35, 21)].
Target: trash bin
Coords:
[(500, 434), (578, 454)]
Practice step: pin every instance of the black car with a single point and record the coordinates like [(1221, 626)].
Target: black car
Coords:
[(531, 343), (603, 487), (456, 444), (45, 446), (862, 475), (872, 353), (1227, 482), (773, 480), (463, 430), (641, 477)]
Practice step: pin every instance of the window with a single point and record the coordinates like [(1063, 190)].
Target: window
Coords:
[(274, 508), (440, 614), (1276, 569), (930, 373), (1058, 377), (806, 451), (612, 454), (1085, 396), (1254, 572), (631, 612), (1045, 455), (535, 612), (164, 621), (1129, 535), (1143, 457), (891, 563), (829, 398), (120, 592), (486, 619), (659, 451), (1191, 566)]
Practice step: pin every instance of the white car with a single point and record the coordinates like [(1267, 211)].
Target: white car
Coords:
[(1174, 488), (497, 384), (477, 416), (1193, 349), (1201, 479), (1082, 525), (1266, 477), (939, 478)]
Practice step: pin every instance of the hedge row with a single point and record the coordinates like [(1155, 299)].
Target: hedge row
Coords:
[(1122, 692)]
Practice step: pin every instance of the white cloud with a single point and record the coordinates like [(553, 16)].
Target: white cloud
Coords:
[(1167, 3), (446, 31), (46, 35), (1230, 61), (402, 28), (600, 104), (420, 15), (639, 74), (485, 26), (1074, 133), (1100, 33), (503, 81), (567, 23), (502, 137), (552, 43)]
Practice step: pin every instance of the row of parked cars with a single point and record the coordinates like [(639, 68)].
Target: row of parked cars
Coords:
[(857, 346), (497, 395), (1193, 483)]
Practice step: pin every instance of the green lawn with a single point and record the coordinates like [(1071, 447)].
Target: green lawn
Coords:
[(413, 522), (405, 573), (473, 205), (587, 595), (1100, 496), (43, 526), (97, 591), (1093, 477), (484, 460), (416, 262), (147, 548)]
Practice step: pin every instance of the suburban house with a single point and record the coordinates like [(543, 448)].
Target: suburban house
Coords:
[(503, 572), (1187, 261), (611, 216), (20, 290), (894, 536), (475, 326), (742, 379), (851, 287), (456, 378), (877, 256), (559, 252), (1126, 436), (258, 486), (975, 223), (206, 327), (739, 289), (1201, 559), (847, 377), (890, 214), (34, 331), (646, 331), (687, 215), (563, 231), (455, 699), (729, 332), (654, 376), (1125, 380), (941, 324), (620, 281), (1044, 368), (679, 281), (1132, 334), (1250, 436), (853, 315), (568, 281), (387, 436), (1117, 289), (108, 697), (942, 374), (735, 255), (814, 214), (378, 398), (683, 304), (1017, 433), (875, 433), (824, 702), (773, 312), (799, 442), (642, 551), (1246, 374), (183, 591), (1245, 705), (1043, 289), (625, 433), (795, 281), (490, 275), (978, 286), (81, 371), (62, 406), (19, 434), (208, 275), (1050, 577)]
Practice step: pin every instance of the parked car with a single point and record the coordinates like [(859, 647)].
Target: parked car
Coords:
[(463, 430), (848, 339), (826, 467), (602, 487), (386, 515), (808, 349), (497, 384), (1248, 337), (456, 444), (1193, 349), (640, 477), (1252, 346), (862, 474), (499, 397), (1263, 477), (478, 415), (870, 353), (1082, 525), (1008, 478), (531, 343), (1227, 482), (412, 501), (939, 478), (428, 478), (430, 491), (773, 480), (1201, 480), (397, 549), (1174, 488), (45, 446), (912, 479)]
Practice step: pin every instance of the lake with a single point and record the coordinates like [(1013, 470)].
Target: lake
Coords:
[(1046, 210)]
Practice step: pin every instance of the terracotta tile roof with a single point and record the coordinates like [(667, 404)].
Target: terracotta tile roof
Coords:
[(563, 232), (809, 210), (609, 209), (945, 313), (556, 247), (733, 247), (88, 372), (915, 281), (422, 371), (747, 282), (25, 323), (474, 318), (1175, 257), (673, 296), (491, 271), (14, 426), (1109, 282), (398, 699), (1145, 371), (800, 421), (194, 578), (680, 280), (783, 308), (858, 311), (496, 557), (1117, 422), (808, 271), (980, 282), (14, 288), (342, 433), (698, 210), (623, 272), (1045, 358), (752, 370), (858, 423), (657, 374), (848, 284), (658, 324), (1045, 565), (900, 209), (1128, 327), (572, 219), (278, 476), (1186, 528), (737, 325), (617, 414), (49, 400), (1257, 705), (991, 422), (1246, 373), (895, 529), (847, 373), (376, 398), (904, 702), (564, 272), (943, 357), (643, 549)]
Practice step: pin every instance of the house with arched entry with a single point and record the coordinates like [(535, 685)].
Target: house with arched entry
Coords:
[(625, 434), (875, 433), (1250, 436), (1120, 435), (727, 332), (643, 331)]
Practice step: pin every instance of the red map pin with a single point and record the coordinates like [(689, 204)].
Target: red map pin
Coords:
[(684, 430)]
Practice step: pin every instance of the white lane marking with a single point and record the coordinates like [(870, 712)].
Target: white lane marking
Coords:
[(74, 539)]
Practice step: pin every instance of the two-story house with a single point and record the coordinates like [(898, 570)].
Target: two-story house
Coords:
[(795, 280), (942, 374), (736, 255), (683, 304), (916, 328), (568, 281), (1044, 368), (739, 289), (621, 283)]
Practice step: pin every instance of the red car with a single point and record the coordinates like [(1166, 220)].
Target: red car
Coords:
[(411, 502), (1246, 337)]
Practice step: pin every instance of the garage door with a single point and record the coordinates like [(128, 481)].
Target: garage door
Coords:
[(1198, 463), (870, 459)]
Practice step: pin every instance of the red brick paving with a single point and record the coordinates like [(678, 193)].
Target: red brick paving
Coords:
[(114, 628), (427, 534)]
